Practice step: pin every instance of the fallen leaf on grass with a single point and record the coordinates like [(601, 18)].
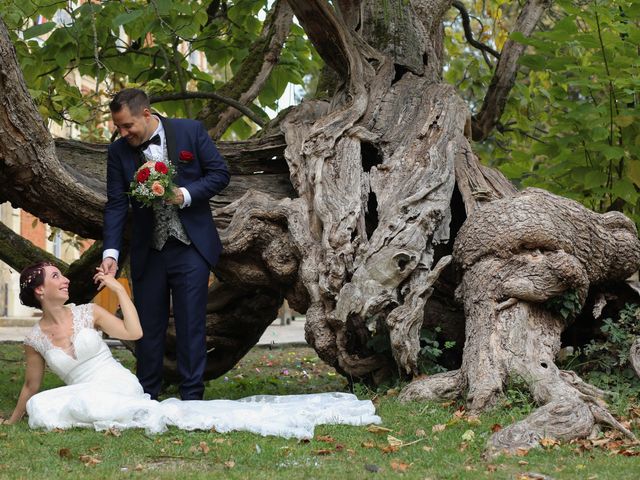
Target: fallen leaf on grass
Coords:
[(469, 436), (473, 420), (64, 453), (393, 441), (523, 462), (399, 466), (229, 464), (114, 432), (459, 413), (389, 449), (204, 448), (491, 468), (438, 428), (89, 461), (139, 467), (549, 442), (367, 444), (427, 448), (522, 452), (378, 429), (323, 451), (326, 438), (421, 433), (496, 427), (463, 446)]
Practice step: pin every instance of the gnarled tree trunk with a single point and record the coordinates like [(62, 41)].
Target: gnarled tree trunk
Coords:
[(516, 255), (348, 207)]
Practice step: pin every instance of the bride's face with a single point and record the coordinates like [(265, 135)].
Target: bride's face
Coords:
[(55, 286)]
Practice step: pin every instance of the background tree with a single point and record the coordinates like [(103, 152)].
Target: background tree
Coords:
[(349, 205)]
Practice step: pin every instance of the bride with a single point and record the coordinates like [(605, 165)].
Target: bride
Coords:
[(100, 393)]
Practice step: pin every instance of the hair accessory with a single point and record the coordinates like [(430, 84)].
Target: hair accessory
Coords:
[(33, 275)]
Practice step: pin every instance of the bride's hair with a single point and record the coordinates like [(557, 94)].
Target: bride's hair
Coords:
[(30, 279)]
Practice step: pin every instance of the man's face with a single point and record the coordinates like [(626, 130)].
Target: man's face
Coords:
[(134, 128)]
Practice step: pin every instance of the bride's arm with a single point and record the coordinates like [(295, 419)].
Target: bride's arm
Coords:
[(127, 329), (32, 381)]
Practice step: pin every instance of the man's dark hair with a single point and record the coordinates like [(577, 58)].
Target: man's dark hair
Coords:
[(134, 98)]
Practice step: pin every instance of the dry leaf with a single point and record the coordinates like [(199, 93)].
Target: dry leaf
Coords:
[(139, 467), (323, 451), (112, 432), (378, 429), (427, 448), (229, 464), (473, 420), (491, 468), (203, 447), (218, 440), (459, 413), (64, 453), (421, 433), (393, 441), (368, 444), (399, 466), (463, 446), (89, 461), (523, 462), (389, 449), (325, 438), (339, 447), (496, 427), (522, 452), (448, 404), (177, 441), (549, 442), (438, 428)]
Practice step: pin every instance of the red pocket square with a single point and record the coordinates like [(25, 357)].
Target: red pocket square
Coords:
[(185, 155)]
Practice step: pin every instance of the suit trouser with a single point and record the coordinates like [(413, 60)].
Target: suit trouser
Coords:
[(180, 271)]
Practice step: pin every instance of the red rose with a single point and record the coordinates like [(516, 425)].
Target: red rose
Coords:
[(161, 168), (143, 175), (186, 156)]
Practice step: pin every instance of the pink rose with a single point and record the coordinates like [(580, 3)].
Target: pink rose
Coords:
[(157, 189)]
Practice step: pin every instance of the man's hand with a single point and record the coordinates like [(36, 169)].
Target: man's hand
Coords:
[(177, 199), (109, 266)]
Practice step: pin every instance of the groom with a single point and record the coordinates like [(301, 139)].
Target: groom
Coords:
[(174, 244)]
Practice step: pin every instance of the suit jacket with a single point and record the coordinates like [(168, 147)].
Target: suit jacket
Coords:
[(204, 176)]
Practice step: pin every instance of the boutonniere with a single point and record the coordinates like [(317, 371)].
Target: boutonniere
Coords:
[(185, 156)]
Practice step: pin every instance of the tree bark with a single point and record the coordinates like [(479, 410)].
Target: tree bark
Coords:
[(516, 254)]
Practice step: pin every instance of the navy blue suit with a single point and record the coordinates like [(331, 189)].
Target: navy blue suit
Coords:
[(178, 269)]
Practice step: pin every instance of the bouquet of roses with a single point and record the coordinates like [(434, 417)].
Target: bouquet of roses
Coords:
[(152, 181)]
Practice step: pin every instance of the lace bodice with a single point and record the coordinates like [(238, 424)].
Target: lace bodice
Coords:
[(82, 318)]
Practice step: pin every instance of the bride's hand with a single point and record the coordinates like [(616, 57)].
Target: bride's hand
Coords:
[(105, 280)]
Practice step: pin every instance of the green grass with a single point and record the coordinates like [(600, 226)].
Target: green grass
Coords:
[(342, 452)]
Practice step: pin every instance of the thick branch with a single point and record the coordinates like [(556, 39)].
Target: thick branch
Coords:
[(254, 72), (504, 76), (210, 95), (29, 162), (326, 31), (468, 34), (18, 252)]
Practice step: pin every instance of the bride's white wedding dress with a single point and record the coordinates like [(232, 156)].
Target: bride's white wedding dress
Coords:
[(100, 393)]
